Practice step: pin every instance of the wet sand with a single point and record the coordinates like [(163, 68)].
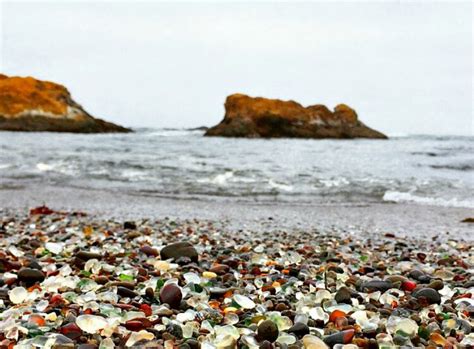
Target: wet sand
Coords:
[(401, 219)]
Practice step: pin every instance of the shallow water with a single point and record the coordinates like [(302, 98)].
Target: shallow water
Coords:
[(183, 164)]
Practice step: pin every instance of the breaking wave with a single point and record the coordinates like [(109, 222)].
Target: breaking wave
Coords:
[(397, 197)]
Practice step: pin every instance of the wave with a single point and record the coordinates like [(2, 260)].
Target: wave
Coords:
[(58, 167), (426, 153), (42, 167), (396, 196), (456, 167), (334, 182), (220, 179), (280, 186), (173, 133)]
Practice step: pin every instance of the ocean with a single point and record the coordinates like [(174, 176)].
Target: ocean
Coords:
[(182, 164)]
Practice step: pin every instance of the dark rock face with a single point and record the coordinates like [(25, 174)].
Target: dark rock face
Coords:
[(272, 118), (28, 104)]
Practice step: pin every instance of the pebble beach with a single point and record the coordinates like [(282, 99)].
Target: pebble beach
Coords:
[(73, 280)]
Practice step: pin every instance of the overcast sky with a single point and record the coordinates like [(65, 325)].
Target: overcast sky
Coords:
[(405, 67)]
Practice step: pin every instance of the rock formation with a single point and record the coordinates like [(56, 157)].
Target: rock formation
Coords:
[(27, 104), (261, 117)]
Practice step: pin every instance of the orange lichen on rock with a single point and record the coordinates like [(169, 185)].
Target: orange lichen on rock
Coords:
[(18, 95), (28, 104), (262, 117), (238, 105)]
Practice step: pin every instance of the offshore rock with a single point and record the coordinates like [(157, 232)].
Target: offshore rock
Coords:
[(28, 104), (273, 118)]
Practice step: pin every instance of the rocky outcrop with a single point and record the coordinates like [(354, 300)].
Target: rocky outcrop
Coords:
[(261, 117), (28, 104)]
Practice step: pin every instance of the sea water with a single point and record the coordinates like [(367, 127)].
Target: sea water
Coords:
[(431, 170)]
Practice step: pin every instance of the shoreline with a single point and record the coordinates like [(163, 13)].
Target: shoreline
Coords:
[(421, 221)]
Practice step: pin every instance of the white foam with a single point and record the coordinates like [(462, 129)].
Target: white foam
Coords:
[(281, 186), (337, 182), (396, 196), (42, 167), (134, 175), (59, 167), (221, 179)]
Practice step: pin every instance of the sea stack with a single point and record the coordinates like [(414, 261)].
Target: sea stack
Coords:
[(254, 117), (28, 104)]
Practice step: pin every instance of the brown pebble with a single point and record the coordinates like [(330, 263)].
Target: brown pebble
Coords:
[(126, 292), (267, 330), (171, 294), (149, 251), (281, 306)]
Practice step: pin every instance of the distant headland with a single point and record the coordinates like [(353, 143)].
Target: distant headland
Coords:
[(28, 104), (273, 118)]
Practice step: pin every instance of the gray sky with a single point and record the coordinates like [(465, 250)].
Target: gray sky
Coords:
[(405, 67)]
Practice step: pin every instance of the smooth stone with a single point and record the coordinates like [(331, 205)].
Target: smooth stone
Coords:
[(436, 284), (267, 330), (18, 295), (129, 285), (175, 330), (218, 291), (126, 292), (179, 250), (342, 337), (61, 341), (425, 279), (85, 256), (313, 342), (91, 323), (71, 330), (149, 251), (299, 329), (30, 275), (415, 274), (399, 339), (431, 295), (150, 293), (343, 295), (129, 225), (171, 294), (265, 345), (193, 343), (377, 285), (34, 265)]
